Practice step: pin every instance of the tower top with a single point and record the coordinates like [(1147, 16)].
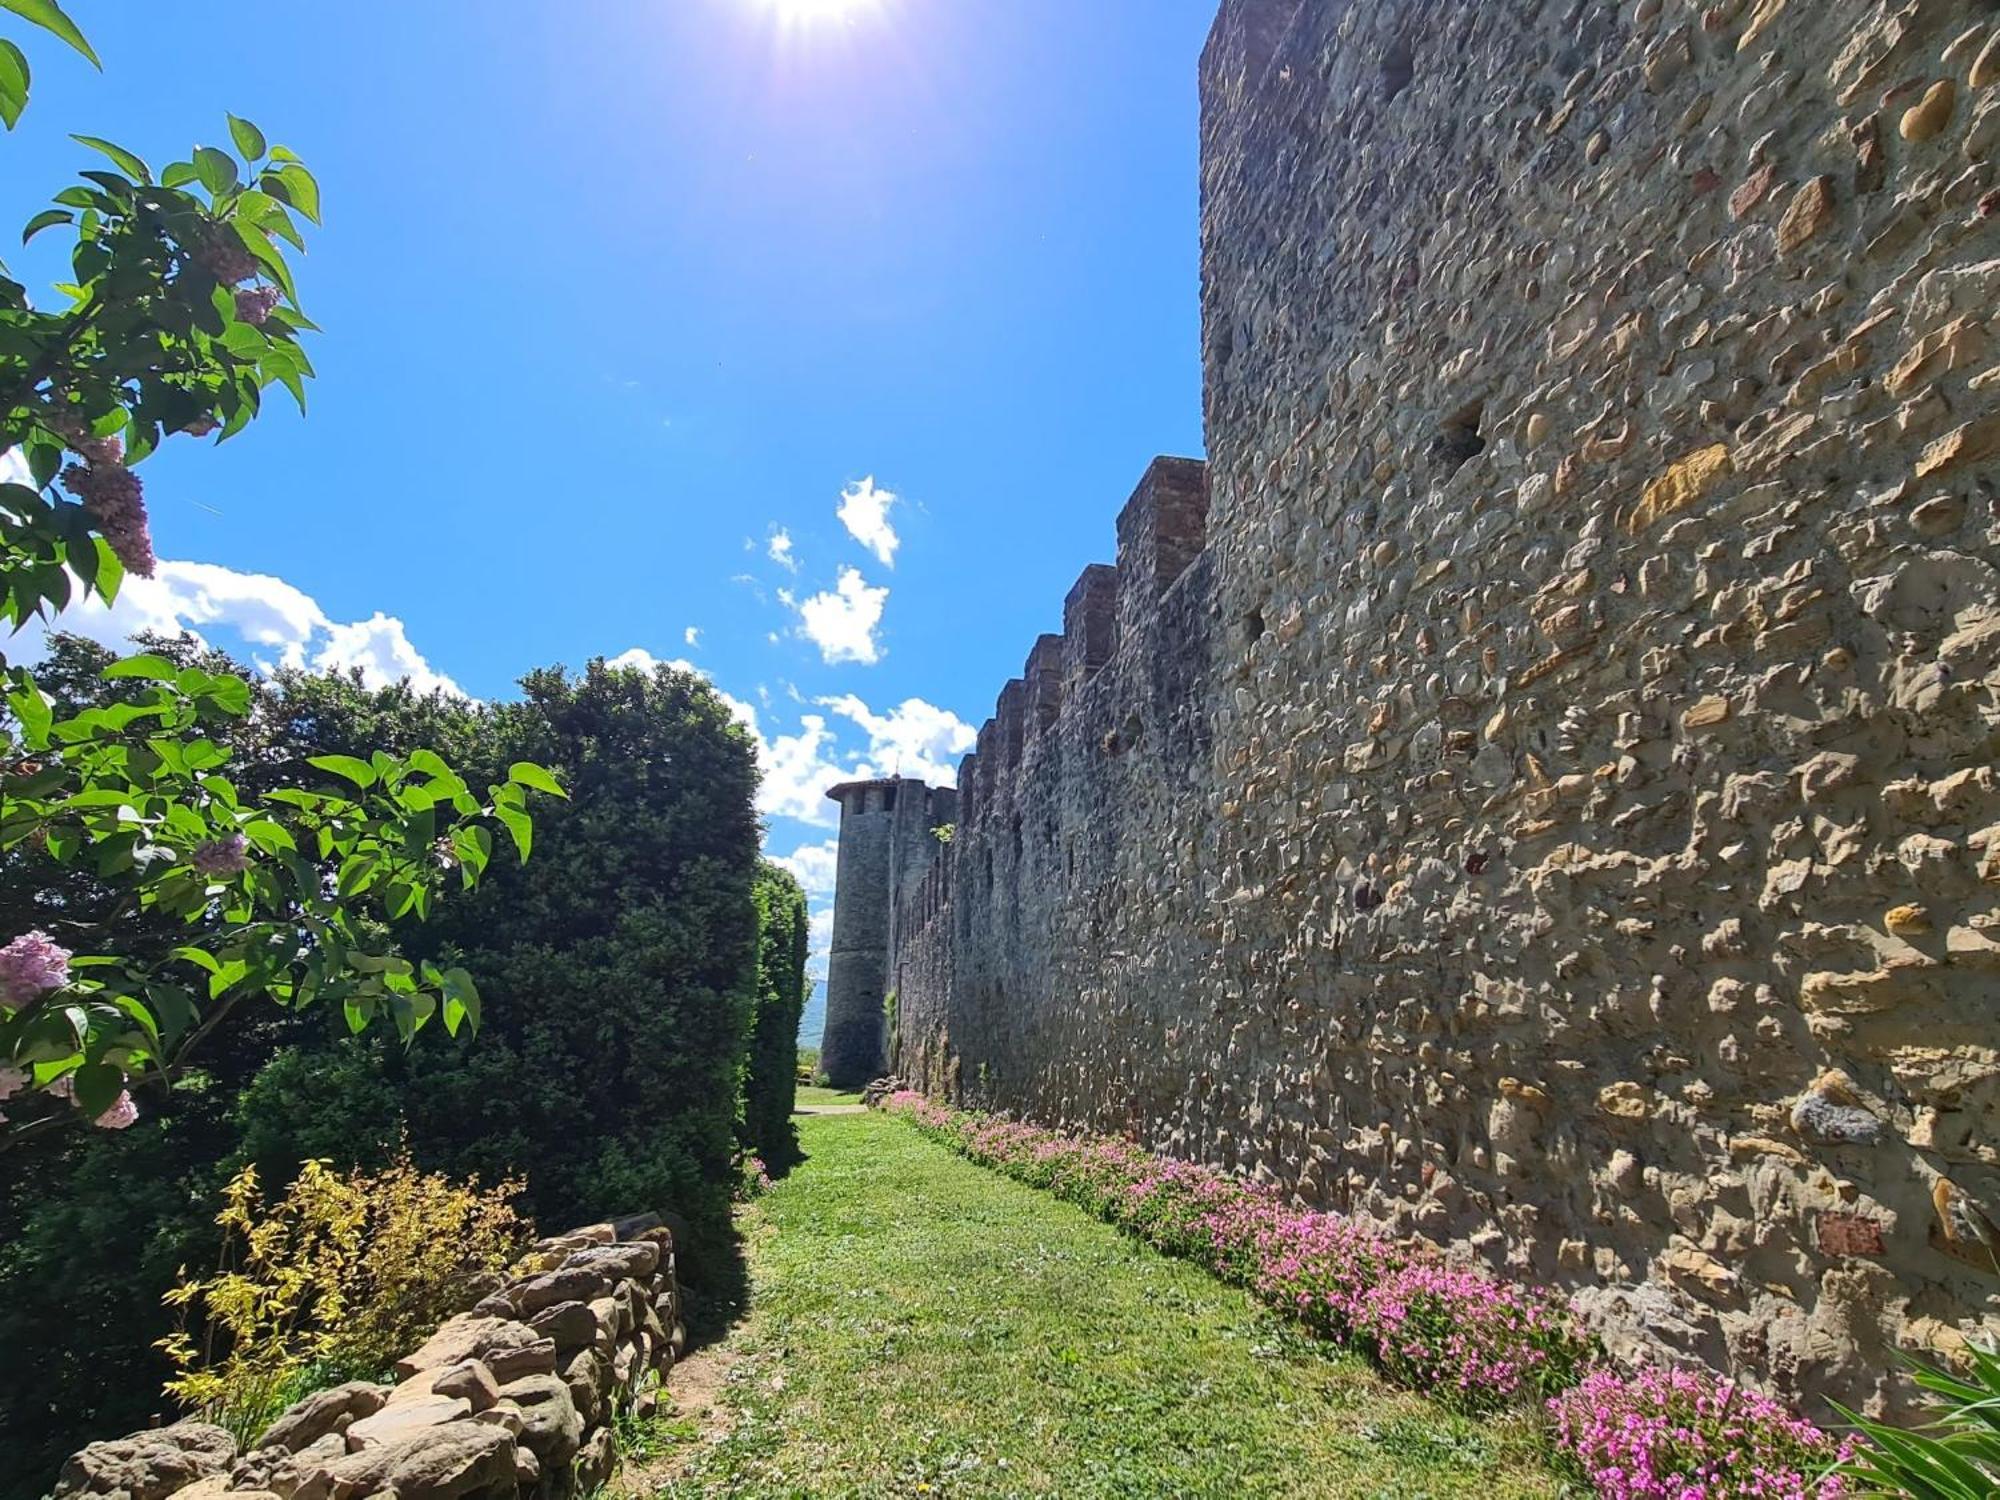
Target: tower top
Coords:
[(839, 793)]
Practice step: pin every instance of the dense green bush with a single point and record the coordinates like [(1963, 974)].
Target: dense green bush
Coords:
[(619, 974), (770, 1081)]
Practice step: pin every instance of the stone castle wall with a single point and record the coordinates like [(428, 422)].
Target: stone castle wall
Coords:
[(1538, 789)]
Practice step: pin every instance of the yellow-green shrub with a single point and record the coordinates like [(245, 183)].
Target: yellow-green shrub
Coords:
[(334, 1279)]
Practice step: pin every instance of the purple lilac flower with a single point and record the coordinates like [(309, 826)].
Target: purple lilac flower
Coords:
[(122, 1113), (116, 501), (30, 967), (224, 257), (223, 857), (254, 304)]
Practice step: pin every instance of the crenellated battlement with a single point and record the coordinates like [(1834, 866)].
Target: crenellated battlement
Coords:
[(1111, 619)]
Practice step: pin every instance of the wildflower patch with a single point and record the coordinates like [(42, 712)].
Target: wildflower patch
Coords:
[(1471, 1340)]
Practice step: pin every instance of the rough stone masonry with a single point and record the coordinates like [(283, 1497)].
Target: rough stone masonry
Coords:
[(1536, 787)]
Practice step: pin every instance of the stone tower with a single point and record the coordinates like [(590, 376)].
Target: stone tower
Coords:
[(887, 840)]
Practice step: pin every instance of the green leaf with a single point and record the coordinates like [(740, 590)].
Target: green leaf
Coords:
[(528, 774), (357, 771), (249, 139), (47, 218), (461, 1001), (520, 825), (178, 174), (98, 1086), (124, 160), (13, 83), (153, 668), (301, 187), (229, 694), (49, 16), (216, 169), (34, 714)]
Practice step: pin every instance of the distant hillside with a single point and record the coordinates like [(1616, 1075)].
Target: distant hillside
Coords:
[(813, 1021)]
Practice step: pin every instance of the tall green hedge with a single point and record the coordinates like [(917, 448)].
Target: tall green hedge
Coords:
[(620, 975), (770, 1082)]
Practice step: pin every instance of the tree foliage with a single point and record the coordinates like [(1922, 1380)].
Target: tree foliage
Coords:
[(770, 1080), (179, 312)]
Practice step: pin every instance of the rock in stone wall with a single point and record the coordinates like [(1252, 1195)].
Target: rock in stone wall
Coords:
[(1556, 812), (511, 1401)]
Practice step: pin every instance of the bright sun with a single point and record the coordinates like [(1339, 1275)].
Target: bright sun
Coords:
[(809, 12)]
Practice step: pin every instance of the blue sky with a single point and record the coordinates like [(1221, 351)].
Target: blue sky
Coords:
[(617, 293)]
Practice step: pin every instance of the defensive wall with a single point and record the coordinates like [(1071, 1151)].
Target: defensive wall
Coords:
[(1535, 786)]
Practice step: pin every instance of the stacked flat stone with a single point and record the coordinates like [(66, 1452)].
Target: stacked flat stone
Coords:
[(512, 1400)]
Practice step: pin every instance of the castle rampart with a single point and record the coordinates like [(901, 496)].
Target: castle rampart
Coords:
[(1535, 787)]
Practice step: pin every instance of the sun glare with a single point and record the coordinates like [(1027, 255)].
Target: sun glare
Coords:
[(817, 12)]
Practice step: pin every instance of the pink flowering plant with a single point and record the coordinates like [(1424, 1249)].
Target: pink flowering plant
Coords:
[(176, 313), (1677, 1434), (1470, 1339)]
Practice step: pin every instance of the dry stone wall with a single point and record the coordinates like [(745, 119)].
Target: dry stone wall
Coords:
[(513, 1400), (1538, 790)]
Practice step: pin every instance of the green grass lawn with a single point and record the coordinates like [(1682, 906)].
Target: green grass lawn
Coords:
[(919, 1325), (820, 1098)]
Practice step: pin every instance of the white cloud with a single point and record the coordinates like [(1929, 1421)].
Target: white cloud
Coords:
[(798, 769), (814, 864), (381, 648), (864, 511), (692, 635), (916, 738), (283, 625), (843, 623), (779, 550)]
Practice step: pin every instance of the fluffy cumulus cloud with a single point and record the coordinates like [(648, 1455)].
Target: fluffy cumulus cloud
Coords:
[(864, 511), (916, 738), (844, 622), (282, 625), (692, 635), (814, 865)]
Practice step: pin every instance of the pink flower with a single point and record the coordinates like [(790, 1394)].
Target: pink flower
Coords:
[(30, 967), (116, 502), (254, 304), (223, 857), (121, 1113)]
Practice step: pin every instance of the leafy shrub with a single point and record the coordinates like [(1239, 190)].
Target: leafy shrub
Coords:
[(333, 1280), (1957, 1457), (1668, 1434)]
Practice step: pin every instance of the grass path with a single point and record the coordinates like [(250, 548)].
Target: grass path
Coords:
[(920, 1325)]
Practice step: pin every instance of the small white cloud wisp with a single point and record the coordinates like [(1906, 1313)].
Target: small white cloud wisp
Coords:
[(864, 511)]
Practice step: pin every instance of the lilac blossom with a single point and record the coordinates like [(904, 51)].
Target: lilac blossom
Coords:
[(116, 502), (30, 967), (122, 1113), (223, 857), (254, 304)]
